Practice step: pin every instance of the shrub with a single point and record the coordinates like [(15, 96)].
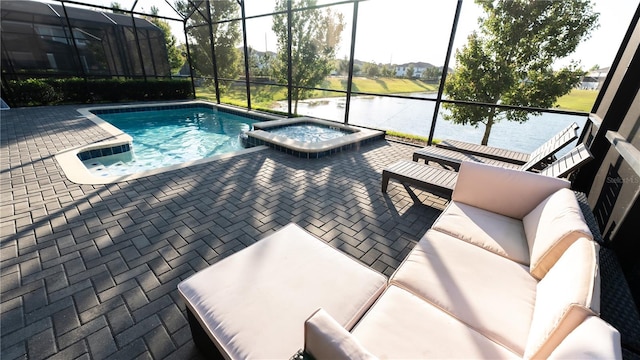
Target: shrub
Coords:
[(31, 92), (34, 92), (71, 90)]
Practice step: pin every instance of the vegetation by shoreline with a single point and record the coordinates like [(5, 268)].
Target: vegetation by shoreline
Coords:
[(578, 100), (263, 96)]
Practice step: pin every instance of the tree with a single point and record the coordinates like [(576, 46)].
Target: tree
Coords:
[(387, 71), (116, 7), (266, 64), (315, 37), (356, 69), (410, 71), (225, 37), (260, 64), (371, 69), (509, 61), (342, 66), (431, 74), (176, 60)]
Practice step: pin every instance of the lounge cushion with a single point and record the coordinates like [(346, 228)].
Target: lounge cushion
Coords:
[(566, 296), (506, 192), (324, 338), (254, 303), (592, 339), (401, 325), (493, 295), (551, 228), (494, 232)]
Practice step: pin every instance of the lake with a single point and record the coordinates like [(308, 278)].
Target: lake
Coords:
[(414, 117)]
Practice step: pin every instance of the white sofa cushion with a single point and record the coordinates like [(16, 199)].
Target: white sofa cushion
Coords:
[(503, 191), (568, 293), (490, 293), (592, 339), (497, 233), (324, 339), (551, 228), (401, 325), (253, 304)]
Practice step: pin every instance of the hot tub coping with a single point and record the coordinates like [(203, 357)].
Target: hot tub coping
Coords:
[(356, 138)]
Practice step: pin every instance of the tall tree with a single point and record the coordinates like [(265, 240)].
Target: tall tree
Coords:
[(509, 61), (176, 60), (315, 37), (225, 37)]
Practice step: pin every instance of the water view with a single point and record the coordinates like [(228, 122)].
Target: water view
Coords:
[(414, 117)]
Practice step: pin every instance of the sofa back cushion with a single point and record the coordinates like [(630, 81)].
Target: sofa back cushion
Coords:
[(507, 192), (564, 298), (592, 339), (551, 228)]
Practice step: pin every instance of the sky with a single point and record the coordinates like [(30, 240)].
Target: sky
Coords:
[(401, 31)]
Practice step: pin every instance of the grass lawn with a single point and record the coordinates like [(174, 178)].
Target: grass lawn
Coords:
[(380, 85), (578, 99), (262, 96)]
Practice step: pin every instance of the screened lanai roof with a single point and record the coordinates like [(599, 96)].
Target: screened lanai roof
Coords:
[(51, 13)]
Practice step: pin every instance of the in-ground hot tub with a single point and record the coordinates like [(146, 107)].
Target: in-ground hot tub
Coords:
[(314, 144)]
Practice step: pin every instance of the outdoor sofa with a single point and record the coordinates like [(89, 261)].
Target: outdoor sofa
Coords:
[(509, 270)]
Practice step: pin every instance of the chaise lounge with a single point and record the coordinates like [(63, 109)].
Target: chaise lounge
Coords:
[(509, 270), (441, 181), (452, 153), (551, 146)]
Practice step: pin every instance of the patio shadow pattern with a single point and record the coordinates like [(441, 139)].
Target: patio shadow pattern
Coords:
[(91, 270)]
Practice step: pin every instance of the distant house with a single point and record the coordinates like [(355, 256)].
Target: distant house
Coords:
[(594, 79), (418, 69)]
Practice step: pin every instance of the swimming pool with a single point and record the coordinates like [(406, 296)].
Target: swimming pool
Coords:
[(166, 137), (147, 140)]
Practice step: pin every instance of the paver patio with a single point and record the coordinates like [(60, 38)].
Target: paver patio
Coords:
[(90, 271)]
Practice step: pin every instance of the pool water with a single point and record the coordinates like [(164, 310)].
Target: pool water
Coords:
[(310, 133), (169, 137)]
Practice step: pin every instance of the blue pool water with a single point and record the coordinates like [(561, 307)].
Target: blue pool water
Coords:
[(309, 133), (169, 137)]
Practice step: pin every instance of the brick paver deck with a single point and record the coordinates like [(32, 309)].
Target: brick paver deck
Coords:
[(90, 271)]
